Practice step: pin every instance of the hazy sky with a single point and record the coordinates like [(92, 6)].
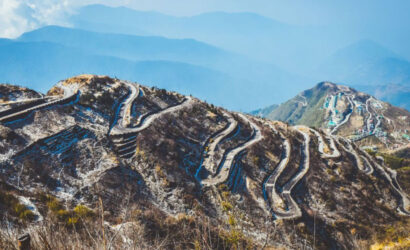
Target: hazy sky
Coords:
[(379, 17)]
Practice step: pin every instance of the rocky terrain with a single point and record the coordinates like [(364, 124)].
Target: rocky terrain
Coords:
[(105, 163)]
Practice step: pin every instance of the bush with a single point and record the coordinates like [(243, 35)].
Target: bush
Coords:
[(223, 187), (67, 216), (393, 162), (27, 215), (54, 205), (83, 211), (226, 206), (72, 221), (63, 214), (16, 209), (231, 220)]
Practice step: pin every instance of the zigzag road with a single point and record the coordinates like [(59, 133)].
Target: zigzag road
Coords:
[(294, 210), (223, 174), (335, 152), (124, 136), (366, 168), (124, 115), (404, 207), (209, 161), (270, 183), (390, 175), (69, 94), (147, 122)]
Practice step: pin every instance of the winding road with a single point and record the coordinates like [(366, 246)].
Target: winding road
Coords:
[(121, 127), (270, 183), (124, 115), (123, 136), (294, 210), (209, 162), (347, 117), (335, 152), (391, 175), (269, 187), (69, 93), (349, 148), (223, 173), (404, 207)]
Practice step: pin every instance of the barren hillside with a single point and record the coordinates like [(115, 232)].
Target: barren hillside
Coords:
[(105, 162)]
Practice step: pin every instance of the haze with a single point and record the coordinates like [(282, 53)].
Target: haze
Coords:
[(278, 47)]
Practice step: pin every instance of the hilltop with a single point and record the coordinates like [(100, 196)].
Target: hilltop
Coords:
[(100, 161), (346, 112)]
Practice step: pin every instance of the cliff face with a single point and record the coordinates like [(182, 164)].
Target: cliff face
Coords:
[(163, 165)]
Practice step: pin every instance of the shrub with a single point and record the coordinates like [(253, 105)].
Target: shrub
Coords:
[(256, 160), (19, 208), (54, 205), (159, 171), (72, 221), (63, 214), (223, 187), (393, 161), (27, 215), (231, 220), (225, 194), (226, 206), (83, 211), (236, 240)]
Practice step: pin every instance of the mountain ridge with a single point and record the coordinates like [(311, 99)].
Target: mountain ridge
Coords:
[(180, 165)]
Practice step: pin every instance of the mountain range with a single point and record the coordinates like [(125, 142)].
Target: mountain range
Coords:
[(100, 162), (192, 67), (220, 57)]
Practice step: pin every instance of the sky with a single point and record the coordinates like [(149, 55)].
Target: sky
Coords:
[(374, 16)]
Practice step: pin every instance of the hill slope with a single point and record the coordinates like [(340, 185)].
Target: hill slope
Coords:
[(344, 111), (170, 171)]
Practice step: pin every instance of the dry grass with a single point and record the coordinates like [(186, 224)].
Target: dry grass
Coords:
[(145, 229)]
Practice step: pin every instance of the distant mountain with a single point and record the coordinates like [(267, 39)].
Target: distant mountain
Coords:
[(313, 52), (396, 94), (264, 112), (365, 63), (39, 64), (267, 80), (250, 34), (345, 111), (127, 46)]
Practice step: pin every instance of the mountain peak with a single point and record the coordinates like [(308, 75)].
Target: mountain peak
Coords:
[(345, 111), (331, 87)]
